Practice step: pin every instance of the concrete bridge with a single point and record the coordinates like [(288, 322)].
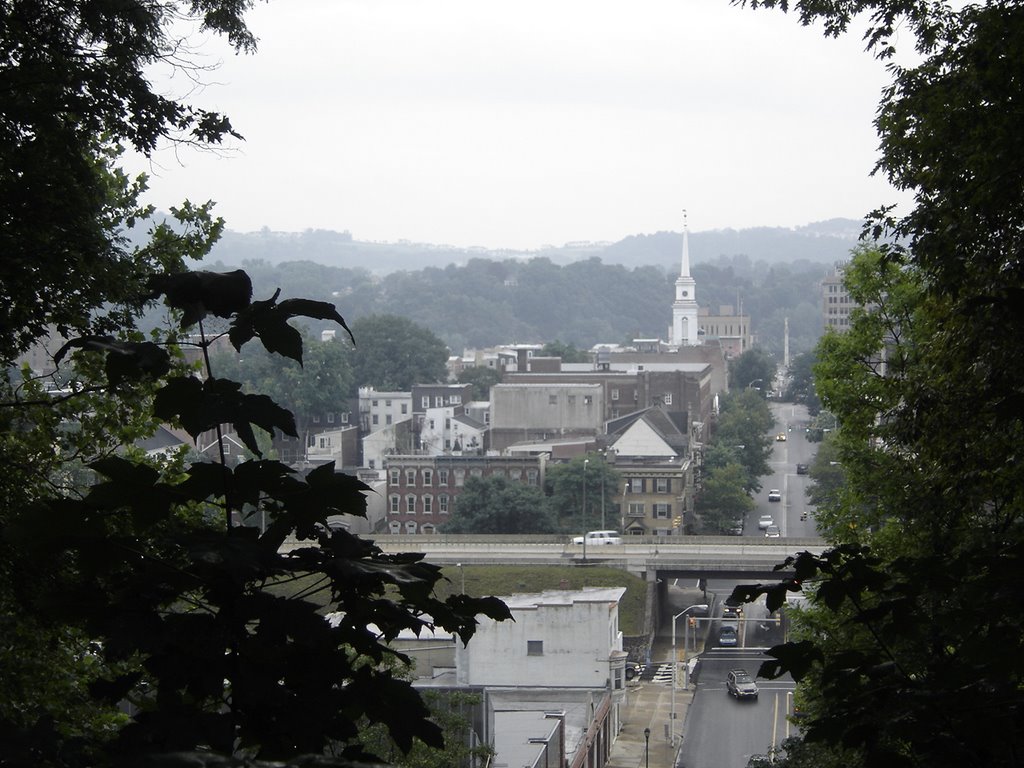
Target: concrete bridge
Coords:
[(648, 557)]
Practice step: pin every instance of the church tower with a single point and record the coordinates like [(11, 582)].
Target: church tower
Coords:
[(684, 308)]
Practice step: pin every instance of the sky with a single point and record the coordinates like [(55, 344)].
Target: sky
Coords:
[(536, 122)]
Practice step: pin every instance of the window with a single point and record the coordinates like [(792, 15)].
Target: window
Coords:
[(531, 476), (662, 485), (428, 477), (387, 403), (460, 478), (668, 398), (395, 475), (635, 485), (442, 477), (438, 401), (410, 526), (405, 408), (428, 505), (387, 419), (425, 401), (662, 511), (515, 473), (615, 394), (571, 399), (552, 399), (410, 504), (344, 418), (427, 529), (588, 399), (636, 509), (442, 504), (456, 399), (376, 419), (410, 477), (330, 418), (476, 472), (534, 647), (375, 403), (395, 504), (447, 423), (395, 527)]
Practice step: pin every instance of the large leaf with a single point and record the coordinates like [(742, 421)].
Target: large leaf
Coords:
[(200, 293)]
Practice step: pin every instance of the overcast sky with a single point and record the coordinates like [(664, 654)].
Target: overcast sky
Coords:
[(519, 124)]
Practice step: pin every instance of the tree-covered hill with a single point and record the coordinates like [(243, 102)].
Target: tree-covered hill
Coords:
[(486, 302), (821, 242)]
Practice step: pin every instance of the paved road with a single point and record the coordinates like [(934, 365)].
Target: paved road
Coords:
[(721, 732)]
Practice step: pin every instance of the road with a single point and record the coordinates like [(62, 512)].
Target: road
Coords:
[(790, 420), (722, 732)]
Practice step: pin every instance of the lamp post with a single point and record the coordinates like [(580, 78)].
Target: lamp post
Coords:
[(647, 748), (755, 381), (463, 573), (583, 512), (675, 663)]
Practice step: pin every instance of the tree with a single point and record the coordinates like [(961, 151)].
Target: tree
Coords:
[(322, 384), (564, 484), (482, 379), (754, 370), (184, 606), (498, 505), (567, 352), (723, 499), (394, 353), (742, 431), (801, 382), (76, 90)]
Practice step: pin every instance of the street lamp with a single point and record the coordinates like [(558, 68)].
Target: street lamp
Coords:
[(675, 662), (463, 572), (583, 513), (647, 747)]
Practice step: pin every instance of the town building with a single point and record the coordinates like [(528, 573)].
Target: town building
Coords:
[(729, 327), (422, 490)]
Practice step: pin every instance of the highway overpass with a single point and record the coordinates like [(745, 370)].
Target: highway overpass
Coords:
[(651, 557)]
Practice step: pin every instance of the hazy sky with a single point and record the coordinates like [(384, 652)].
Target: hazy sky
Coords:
[(518, 124)]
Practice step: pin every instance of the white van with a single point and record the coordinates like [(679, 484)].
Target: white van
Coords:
[(599, 538)]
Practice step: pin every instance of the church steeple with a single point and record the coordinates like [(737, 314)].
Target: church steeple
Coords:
[(684, 308)]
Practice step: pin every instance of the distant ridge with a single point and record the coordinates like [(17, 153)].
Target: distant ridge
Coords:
[(820, 242)]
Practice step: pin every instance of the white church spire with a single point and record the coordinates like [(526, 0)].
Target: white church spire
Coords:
[(684, 308)]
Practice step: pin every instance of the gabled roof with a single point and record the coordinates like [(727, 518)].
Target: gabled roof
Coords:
[(650, 432)]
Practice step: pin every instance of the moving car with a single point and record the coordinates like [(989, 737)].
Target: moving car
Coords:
[(764, 521), (599, 538), (774, 495), (801, 469), (781, 437), (772, 532), (727, 636), (740, 684)]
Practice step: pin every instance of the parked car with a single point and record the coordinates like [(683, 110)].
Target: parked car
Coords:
[(740, 684), (801, 469), (632, 670), (764, 521), (727, 636), (599, 538), (774, 495), (772, 532)]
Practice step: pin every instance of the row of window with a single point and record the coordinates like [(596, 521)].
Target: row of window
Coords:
[(410, 527), (444, 476), (443, 504), (639, 509), (648, 485)]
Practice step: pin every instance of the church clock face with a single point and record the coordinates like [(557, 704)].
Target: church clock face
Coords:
[(686, 293)]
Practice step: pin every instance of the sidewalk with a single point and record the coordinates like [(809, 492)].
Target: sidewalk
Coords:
[(648, 705)]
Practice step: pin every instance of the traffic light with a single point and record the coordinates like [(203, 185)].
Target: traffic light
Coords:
[(678, 521)]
